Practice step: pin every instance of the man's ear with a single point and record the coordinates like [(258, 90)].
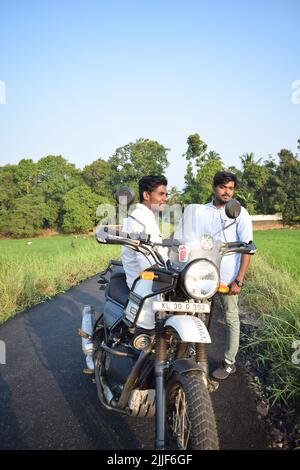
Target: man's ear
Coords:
[(146, 196)]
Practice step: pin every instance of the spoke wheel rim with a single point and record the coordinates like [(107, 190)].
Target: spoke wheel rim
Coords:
[(179, 425)]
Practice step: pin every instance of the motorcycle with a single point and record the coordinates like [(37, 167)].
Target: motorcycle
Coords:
[(147, 348)]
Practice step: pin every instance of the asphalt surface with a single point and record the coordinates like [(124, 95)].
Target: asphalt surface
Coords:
[(47, 403)]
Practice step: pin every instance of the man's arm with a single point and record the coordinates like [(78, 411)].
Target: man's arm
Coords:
[(245, 234), (234, 289), (133, 261)]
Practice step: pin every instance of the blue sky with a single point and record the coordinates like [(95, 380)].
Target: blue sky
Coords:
[(83, 78)]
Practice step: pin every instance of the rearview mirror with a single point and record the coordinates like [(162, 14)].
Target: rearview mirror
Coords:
[(124, 195), (233, 209)]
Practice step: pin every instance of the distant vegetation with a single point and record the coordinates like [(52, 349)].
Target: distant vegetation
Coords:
[(265, 187), (53, 194)]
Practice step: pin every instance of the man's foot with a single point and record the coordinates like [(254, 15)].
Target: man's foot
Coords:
[(223, 371)]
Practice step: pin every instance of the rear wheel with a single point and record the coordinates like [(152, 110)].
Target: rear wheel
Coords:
[(189, 414)]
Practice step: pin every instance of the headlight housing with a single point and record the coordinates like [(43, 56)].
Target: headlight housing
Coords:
[(201, 279)]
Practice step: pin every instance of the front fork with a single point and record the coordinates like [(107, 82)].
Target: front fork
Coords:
[(201, 348), (160, 366)]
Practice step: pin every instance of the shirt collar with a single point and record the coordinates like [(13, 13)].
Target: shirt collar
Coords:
[(211, 204), (145, 208)]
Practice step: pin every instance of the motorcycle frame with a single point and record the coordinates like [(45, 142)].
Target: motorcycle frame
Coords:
[(161, 365)]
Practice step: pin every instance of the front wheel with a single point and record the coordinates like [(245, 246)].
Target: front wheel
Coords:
[(190, 420)]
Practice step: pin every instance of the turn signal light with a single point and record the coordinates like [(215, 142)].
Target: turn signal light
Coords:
[(223, 289), (148, 276)]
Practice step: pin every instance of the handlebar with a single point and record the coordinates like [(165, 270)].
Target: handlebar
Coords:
[(239, 247), (113, 236)]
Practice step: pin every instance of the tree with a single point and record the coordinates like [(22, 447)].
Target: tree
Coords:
[(204, 179), (26, 176), (26, 217), (8, 190), (17, 181), (268, 197), (288, 174), (196, 149), (198, 183), (246, 198), (194, 155), (56, 177), (79, 209), (254, 178), (99, 176), (247, 159), (134, 160), (174, 196)]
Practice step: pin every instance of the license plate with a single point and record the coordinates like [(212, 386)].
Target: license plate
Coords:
[(180, 307)]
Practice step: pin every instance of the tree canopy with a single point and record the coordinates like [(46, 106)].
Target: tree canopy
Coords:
[(54, 194), (265, 187), (135, 160)]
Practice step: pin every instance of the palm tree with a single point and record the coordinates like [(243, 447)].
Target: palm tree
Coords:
[(248, 158)]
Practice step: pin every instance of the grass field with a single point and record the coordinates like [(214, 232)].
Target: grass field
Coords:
[(281, 249), (272, 291), (32, 270)]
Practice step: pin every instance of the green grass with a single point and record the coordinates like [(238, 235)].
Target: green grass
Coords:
[(281, 249), (272, 291), (31, 273)]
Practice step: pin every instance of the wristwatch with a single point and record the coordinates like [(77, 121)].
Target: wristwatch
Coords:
[(239, 283)]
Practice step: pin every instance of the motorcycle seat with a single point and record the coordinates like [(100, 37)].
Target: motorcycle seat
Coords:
[(118, 289)]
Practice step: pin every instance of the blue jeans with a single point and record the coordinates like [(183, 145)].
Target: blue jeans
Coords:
[(232, 321)]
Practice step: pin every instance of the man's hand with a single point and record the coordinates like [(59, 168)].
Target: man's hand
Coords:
[(234, 289)]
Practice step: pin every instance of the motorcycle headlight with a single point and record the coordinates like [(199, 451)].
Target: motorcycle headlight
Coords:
[(201, 279)]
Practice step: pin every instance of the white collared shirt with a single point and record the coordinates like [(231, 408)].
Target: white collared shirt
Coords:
[(215, 219), (134, 262)]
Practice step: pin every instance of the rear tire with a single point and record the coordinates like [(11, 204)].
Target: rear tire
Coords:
[(190, 420)]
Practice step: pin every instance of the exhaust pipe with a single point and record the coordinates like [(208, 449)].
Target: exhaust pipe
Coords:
[(86, 333)]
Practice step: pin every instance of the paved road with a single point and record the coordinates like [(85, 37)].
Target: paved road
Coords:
[(47, 403)]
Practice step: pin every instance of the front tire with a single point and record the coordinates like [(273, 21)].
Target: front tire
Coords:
[(190, 420)]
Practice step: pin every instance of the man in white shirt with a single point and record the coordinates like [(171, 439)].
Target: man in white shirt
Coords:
[(233, 267), (153, 197)]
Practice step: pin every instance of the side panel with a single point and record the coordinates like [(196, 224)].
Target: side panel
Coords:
[(112, 313), (147, 315)]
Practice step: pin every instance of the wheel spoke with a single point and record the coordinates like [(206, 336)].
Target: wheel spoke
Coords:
[(181, 424)]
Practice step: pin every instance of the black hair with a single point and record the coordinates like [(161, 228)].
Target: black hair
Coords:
[(223, 177), (150, 183)]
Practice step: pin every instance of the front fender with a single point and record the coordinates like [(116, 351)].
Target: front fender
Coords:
[(181, 366), (190, 329)]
